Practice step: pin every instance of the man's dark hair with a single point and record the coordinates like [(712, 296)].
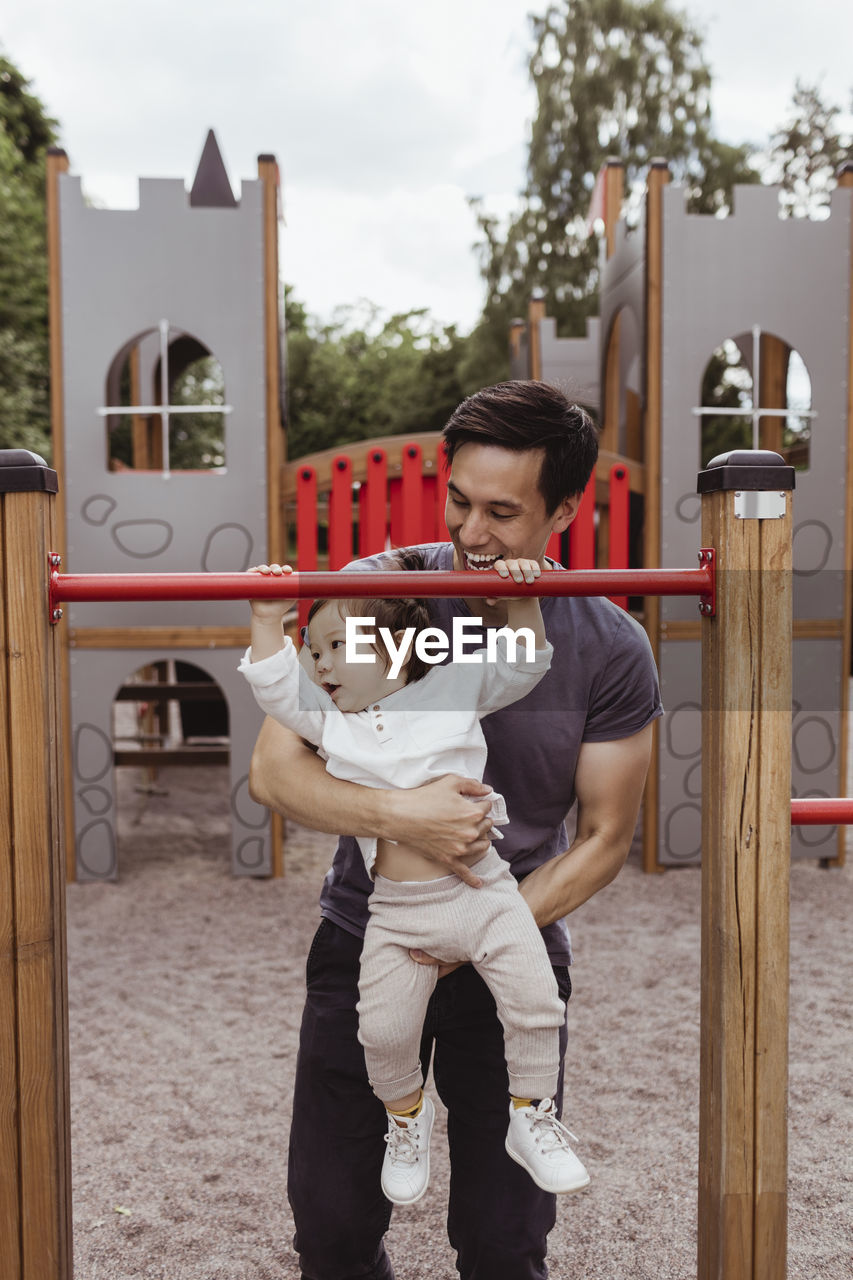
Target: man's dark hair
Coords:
[(531, 415), (396, 615)]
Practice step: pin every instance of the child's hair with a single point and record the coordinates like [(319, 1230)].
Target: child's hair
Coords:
[(396, 615)]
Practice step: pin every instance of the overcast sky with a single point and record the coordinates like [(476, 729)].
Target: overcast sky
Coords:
[(385, 115)]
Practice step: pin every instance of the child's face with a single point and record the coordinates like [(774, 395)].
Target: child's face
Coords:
[(353, 686)]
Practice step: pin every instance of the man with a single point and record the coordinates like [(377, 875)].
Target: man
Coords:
[(521, 456)]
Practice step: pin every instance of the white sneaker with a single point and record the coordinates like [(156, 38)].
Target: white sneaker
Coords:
[(540, 1144), (405, 1170)]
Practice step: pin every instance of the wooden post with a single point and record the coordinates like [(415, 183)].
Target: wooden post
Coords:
[(269, 176), (773, 391), (614, 190), (845, 182), (35, 1160), (612, 386), (56, 166), (657, 180), (535, 316), (746, 850), (276, 443), (518, 348)]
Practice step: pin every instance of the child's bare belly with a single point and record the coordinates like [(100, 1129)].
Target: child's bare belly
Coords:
[(403, 862)]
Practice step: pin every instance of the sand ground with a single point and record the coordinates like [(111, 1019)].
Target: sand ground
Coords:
[(186, 988)]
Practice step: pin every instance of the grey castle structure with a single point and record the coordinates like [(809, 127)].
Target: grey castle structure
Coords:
[(766, 288), (179, 284)]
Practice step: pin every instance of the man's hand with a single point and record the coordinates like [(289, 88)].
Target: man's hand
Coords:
[(423, 957), (446, 820)]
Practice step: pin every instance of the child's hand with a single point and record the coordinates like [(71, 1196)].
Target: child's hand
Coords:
[(519, 570), (270, 609), (523, 611)]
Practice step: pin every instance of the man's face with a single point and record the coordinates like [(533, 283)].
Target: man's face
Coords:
[(495, 510)]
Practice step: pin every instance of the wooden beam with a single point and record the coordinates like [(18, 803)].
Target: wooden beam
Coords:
[(657, 180), (275, 440), (158, 638), (773, 389), (10, 1226), (610, 422), (845, 182), (35, 1190), (634, 442), (56, 165), (142, 425), (804, 629), (161, 758), (614, 185), (393, 446), (746, 850), (181, 691), (358, 452), (535, 316), (517, 336)]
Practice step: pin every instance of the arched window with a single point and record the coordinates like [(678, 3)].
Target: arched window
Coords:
[(165, 405), (733, 416)]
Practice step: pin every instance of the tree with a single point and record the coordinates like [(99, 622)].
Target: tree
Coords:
[(806, 152), (726, 384), (361, 375), (25, 133), (621, 78)]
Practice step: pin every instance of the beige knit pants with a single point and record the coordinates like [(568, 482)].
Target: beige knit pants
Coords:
[(493, 928)]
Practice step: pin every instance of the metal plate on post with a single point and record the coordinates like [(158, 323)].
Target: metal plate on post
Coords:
[(759, 504)]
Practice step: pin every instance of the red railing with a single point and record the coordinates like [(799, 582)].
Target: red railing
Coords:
[(408, 508), (117, 587), (308, 585), (818, 811)]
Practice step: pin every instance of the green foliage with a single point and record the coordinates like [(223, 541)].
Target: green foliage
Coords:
[(726, 384), (806, 152), (25, 132), (24, 419), (22, 116), (614, 78), (197, 440), (361, 376)]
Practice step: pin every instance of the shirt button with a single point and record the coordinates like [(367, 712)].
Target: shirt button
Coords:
[(379, 728), (376, 708)]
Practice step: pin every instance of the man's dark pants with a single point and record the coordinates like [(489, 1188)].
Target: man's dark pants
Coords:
[(498, 1218)]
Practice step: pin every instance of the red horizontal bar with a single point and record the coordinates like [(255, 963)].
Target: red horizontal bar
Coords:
[(815, 811), (81, 587)]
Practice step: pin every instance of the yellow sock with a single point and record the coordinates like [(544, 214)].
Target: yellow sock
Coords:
[(521, 1102), (411, 1112)]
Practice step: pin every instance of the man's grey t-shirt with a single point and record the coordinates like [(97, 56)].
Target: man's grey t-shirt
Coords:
[(602, 686)]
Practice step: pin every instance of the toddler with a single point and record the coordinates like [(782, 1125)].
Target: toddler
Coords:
[(389, 720)]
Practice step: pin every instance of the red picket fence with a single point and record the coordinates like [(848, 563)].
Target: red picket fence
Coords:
[(378, 509)]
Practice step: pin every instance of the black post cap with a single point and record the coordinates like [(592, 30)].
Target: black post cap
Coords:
[(22, 471), (755, 469)]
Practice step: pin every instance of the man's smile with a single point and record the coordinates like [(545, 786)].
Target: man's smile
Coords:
[(475, 560)]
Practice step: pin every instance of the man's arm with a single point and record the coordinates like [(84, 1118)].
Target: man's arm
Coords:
[(445, 819), (609, 782)]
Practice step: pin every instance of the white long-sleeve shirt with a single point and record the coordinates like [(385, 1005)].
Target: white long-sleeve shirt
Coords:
[(420, 732)]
